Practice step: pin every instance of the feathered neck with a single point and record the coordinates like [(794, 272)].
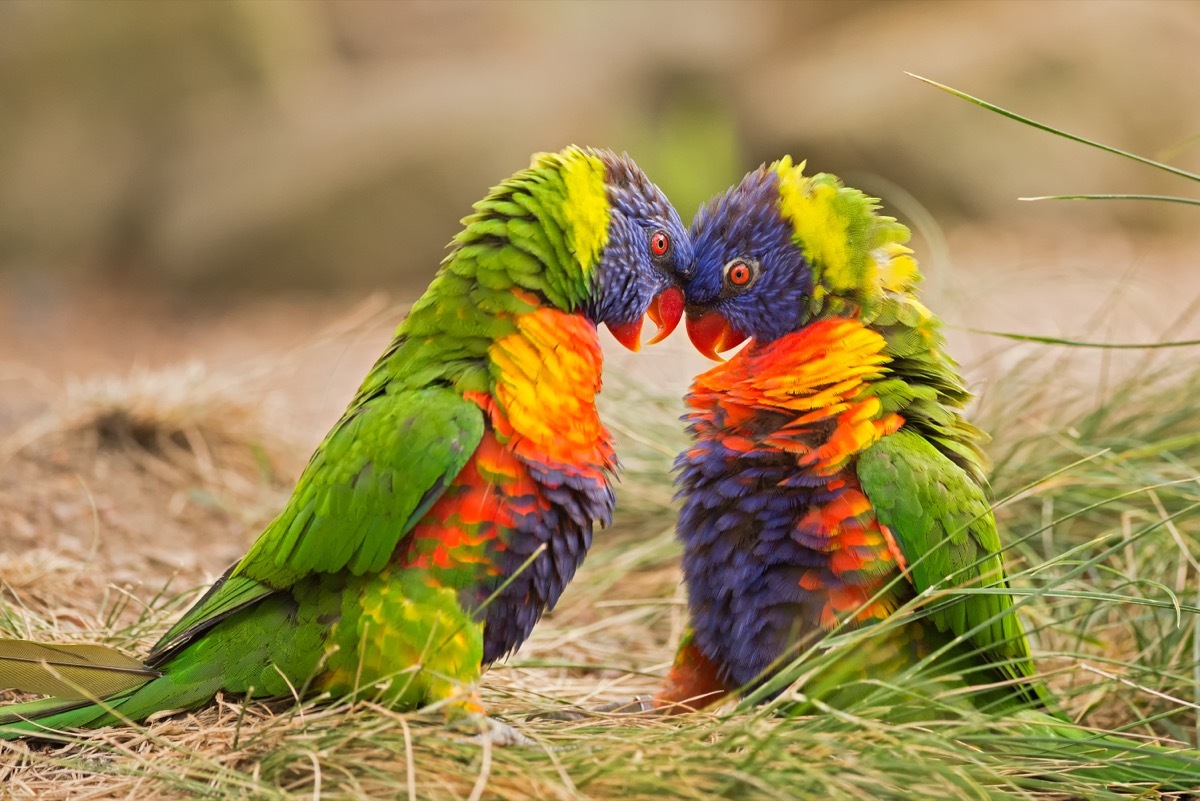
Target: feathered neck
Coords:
[(533, 244)]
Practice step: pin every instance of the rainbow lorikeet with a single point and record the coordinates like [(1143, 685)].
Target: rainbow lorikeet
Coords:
[(833, 477), (453, 501)]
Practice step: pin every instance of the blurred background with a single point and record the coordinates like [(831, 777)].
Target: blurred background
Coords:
[(217, 178)]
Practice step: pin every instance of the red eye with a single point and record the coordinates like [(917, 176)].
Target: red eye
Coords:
[(738, 273), (660, 243)]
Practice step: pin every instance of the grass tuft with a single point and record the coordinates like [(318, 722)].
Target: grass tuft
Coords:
[(1101, 517)]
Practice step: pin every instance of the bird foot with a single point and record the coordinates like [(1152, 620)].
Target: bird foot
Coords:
[(496, 732), (638, 705)]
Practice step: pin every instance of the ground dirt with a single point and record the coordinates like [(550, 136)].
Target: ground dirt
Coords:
[(130, 477)]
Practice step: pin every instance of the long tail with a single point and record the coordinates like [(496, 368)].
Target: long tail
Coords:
[(93, 686), (69, 670), (1110, 758), (270, 648)]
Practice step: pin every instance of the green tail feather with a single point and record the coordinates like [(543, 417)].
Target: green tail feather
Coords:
[(74, 671), (76, 675), (249, 652), (178, 690), (47, 715)]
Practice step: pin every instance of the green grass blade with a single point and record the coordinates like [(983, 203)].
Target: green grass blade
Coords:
[(1077, 343), (1050, 129), (1161, 198)]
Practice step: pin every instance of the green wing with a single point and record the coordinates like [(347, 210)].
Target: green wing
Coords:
[(943, 524), (379, 470)]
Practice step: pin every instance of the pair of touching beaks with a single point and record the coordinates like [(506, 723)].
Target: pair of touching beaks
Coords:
[(709, 331)]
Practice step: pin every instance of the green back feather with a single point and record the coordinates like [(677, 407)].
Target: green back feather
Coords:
[(534, 240)]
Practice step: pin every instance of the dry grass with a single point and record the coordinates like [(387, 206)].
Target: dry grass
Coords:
[(1092, 580)]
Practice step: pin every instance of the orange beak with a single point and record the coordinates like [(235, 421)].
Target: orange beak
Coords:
[(711, 333), (665, 311)]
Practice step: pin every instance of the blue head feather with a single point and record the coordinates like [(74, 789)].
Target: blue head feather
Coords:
[(745, 223), (629, 274)]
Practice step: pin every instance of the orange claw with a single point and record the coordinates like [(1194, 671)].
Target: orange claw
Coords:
[(711, 333)]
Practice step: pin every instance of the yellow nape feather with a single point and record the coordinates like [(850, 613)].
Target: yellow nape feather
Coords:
[(586, 205), (856, 253), (898, 271), (808, 203)]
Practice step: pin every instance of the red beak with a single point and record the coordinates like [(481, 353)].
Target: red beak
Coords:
[(665, 311), (711, 333)]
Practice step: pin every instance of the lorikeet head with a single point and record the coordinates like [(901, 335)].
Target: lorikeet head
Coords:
[(648, 253), (631, 250), (782, 249)]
